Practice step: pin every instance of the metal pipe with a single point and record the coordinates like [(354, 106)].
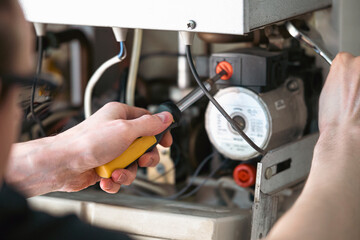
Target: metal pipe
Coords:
[(184, 80), (134, 65)]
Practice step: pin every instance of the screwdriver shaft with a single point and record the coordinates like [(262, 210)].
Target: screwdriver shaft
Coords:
[(197, 93)]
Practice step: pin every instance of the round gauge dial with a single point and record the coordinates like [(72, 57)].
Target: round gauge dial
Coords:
[(252, 115)]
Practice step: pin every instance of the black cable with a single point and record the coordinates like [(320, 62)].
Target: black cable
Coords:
[(233, 123), (190, 183), (123, 86), (184, 189), (38, 71), (195, 190), (180, 193)]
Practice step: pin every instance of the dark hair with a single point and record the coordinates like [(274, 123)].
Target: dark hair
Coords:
[(7, 34), (7, 40)]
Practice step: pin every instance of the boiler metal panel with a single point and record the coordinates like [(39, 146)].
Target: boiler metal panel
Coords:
[(226, 16)]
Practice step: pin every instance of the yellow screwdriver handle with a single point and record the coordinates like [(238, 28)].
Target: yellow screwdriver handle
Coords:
[(131, 154)]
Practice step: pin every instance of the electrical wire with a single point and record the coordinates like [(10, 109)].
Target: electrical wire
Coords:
[(122, 86), (121, 50), (233, 123), (195, 190), (38, 72), (133, 69), (190, 183), (225, 197), (96, 76), (184, 189)]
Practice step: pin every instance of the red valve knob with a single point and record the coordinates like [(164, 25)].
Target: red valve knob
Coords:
[(245, 175), (224, 65)]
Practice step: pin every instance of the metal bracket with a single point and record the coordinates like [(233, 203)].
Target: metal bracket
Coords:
[(264, 209), (288, 165), (279, 169)]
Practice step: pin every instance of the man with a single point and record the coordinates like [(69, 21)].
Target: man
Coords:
[(90, 144), (64, 162), (328, 208)]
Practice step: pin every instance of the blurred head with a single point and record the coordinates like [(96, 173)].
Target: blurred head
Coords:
[(15, 58)]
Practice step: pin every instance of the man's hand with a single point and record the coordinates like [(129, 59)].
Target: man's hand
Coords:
[(104, 136), (340, 97), (328, 207), (66, 162)]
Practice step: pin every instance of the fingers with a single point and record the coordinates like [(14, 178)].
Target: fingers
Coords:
[(150, 159), (116, 110), (149, 125), (125, 176), (109, 186), (119, 177), (167, 140), (135, 112)]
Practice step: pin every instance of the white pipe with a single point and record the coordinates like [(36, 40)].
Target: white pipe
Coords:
[(134, 65), (95, 78)]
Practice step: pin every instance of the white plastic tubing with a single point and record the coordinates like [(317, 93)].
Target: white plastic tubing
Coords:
[(95, 78), (134, 65)]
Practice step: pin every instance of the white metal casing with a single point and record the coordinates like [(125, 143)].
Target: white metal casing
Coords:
[(148, 218), (226, 16)]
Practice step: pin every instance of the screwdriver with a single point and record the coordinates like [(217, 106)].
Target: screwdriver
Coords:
[(146, 144)]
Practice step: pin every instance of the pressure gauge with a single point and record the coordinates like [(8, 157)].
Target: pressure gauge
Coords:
[(270, 119), (252, 115)]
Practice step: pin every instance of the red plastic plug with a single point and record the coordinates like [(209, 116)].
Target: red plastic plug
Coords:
[(244, 175)]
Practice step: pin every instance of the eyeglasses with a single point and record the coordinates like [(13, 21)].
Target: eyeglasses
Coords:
[(8, 81)]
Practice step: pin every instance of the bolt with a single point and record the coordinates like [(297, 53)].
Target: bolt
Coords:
[(268, 173), (191, 25), (292, 85)]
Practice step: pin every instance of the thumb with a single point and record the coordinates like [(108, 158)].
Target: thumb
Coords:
[(149, 125)]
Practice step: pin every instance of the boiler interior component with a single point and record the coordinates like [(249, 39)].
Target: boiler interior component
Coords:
[(257, 68), (269, 119)]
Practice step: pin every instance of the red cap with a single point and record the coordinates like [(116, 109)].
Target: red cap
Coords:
[(224, 65), (245, 175)]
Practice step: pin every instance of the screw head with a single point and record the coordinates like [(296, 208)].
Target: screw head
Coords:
[(293, 85), (268, 173), (191, 25)]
